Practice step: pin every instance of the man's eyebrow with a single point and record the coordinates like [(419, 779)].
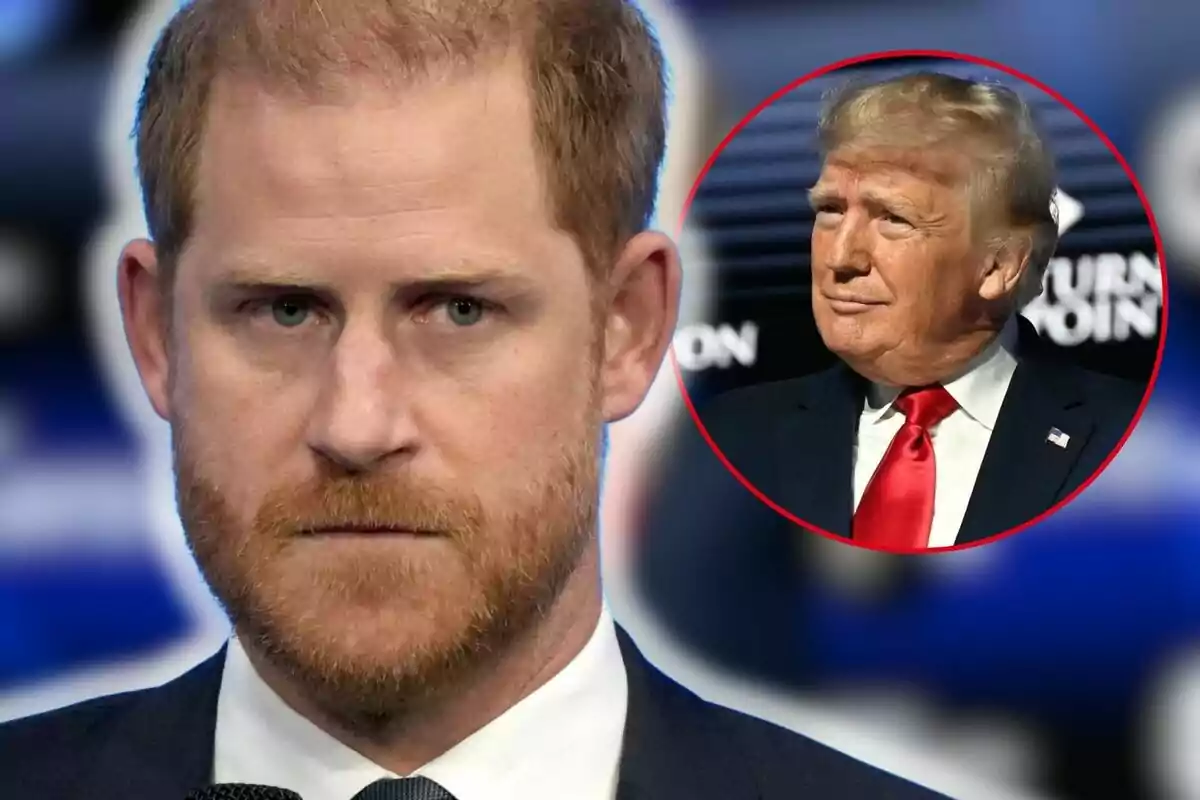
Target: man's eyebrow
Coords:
[(822, 193), (258, 276), (466, 280)]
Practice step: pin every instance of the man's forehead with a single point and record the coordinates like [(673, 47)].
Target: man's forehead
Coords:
[(412, 163), (895, 165)]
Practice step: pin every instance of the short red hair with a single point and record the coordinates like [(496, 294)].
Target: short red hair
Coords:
[(595, 70)]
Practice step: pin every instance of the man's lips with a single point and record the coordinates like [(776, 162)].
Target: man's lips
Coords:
[(364, 529), (846, 303)]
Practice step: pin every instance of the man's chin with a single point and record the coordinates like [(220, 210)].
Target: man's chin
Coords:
[(372, 571), (363, 639), (356, 654), (348, 600), (864, 356), (850, 341)]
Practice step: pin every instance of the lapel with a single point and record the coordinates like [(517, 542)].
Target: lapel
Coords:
[(671, 749), (1023, 473), (814, 454), (163, 747)]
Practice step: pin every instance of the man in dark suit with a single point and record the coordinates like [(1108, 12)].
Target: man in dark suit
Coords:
[(159, 745), (399, 279), (945, 422)]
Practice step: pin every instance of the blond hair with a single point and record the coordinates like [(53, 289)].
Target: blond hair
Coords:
[(1013, 176), (595, 71)]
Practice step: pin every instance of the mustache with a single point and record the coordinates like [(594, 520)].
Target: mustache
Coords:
[(370, 504)]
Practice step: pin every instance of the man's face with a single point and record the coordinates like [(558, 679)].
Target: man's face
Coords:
[(895, 276), (384, 379)]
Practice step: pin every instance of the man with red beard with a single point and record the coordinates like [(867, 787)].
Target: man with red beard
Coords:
[(398, 279)]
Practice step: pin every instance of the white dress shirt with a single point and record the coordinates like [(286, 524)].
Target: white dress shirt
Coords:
[(563, 740), (959, 441)]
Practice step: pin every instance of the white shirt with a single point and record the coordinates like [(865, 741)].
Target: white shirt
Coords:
[(563, 740), (959, 441)]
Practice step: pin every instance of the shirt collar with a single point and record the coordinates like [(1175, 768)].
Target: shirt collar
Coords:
[(563, 740), (979, 390)]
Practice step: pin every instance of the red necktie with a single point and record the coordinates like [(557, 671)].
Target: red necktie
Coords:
[(896, 510)]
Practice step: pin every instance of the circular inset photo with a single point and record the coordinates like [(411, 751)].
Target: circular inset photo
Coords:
[(939, 304)]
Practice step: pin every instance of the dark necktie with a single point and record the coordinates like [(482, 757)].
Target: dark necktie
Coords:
[(896, 510), (404, 789)]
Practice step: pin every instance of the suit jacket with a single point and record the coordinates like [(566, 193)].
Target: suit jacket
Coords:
[(157, 744), (730, 579), (794, 440)]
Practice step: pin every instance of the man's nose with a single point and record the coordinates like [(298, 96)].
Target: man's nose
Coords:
[(361, 419), (847, 254)]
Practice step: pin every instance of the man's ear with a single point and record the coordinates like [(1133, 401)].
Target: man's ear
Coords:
[(1008, 259), (145, 315), (643, 288)]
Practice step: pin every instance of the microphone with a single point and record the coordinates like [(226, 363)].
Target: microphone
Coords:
[(242, 791)]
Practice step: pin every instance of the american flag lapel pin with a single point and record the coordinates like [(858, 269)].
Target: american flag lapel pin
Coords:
[(1057, 437)]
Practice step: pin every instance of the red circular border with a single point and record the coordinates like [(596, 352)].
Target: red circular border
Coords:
[(1162, 332)]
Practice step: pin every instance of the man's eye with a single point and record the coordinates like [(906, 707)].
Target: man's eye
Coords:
[(895, 219), (464, 311), (290, 312)]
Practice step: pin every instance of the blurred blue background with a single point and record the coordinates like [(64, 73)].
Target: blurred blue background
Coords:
[(1080, 629)]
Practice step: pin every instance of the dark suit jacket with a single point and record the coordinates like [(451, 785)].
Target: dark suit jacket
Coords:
[(794, 440), (728, 577), (157, 744)]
